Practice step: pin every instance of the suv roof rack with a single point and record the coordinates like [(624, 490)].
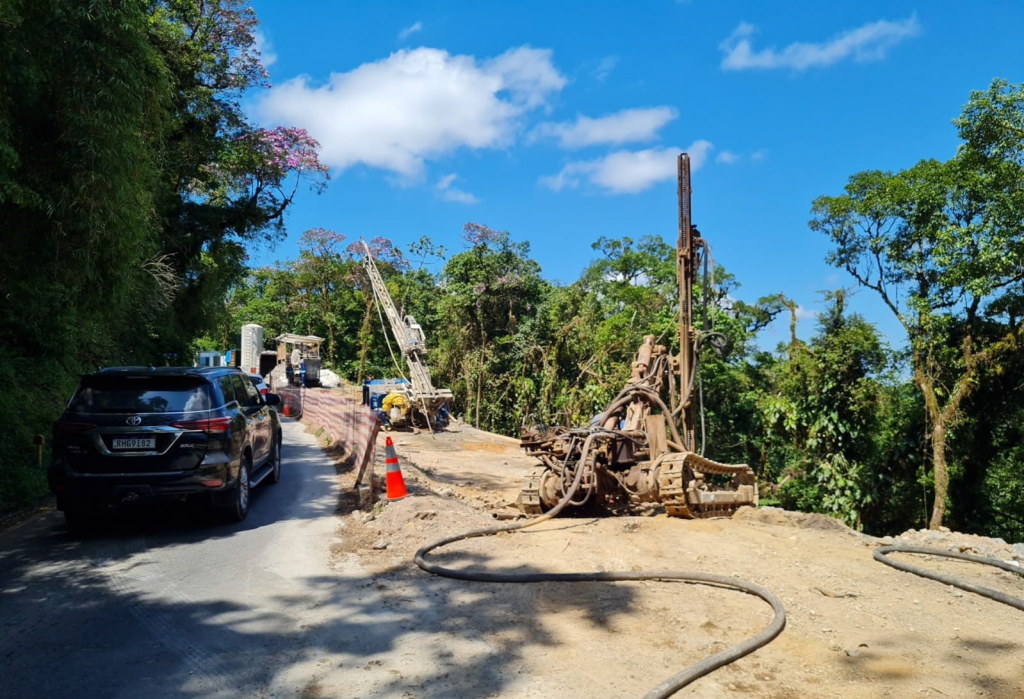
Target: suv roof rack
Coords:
[(163, 370)]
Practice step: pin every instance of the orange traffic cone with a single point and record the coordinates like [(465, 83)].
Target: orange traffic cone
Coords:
[(396, 484)]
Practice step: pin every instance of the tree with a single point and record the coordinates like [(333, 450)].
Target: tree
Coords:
[(226, 183), (83, 104), (824, 402), (390, 263), (265, 296), (319, 278), (987, 468), (490, 289), (941, 243), (130, 185)]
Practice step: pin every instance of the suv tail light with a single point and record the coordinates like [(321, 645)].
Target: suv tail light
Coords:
[(65, 427), (213, 425)]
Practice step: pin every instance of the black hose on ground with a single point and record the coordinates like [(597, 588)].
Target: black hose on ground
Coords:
[(881, 555), (674, 683)]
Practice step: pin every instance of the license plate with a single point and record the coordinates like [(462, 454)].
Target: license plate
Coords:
[(134, 443)]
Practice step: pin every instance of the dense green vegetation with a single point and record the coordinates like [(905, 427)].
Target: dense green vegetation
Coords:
[(883, 438), (941, 243), (131, 186)]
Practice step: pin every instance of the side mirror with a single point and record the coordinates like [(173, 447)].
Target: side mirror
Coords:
[(272, 399)]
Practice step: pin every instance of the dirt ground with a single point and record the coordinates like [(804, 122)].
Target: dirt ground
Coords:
[(856, 628)]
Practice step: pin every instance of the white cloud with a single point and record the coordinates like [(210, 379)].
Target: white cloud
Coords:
[(528, 74), (264, 48), (759, 155), (869, 42), (604, 68), (627, 172), (803, 313), (629, 125), (446, 192), (410, 30), (416, 105), (727, 157)]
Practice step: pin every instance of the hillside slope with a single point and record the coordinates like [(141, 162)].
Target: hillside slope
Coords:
[(856, 629)]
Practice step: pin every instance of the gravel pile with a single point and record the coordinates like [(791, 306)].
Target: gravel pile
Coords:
[(785, 518), (948, 540)]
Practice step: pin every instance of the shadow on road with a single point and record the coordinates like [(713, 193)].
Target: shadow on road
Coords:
[(428, 636), (108, 616)]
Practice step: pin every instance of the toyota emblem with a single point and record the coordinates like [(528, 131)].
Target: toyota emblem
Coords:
[(134, 420)]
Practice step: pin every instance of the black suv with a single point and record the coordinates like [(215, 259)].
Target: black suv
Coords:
[(134, 433)]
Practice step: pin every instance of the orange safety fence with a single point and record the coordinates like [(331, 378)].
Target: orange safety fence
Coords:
[(349, 424)]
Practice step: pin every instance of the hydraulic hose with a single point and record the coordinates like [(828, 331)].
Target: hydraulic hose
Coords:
[(674, 683), (625, 397), (881, 555)]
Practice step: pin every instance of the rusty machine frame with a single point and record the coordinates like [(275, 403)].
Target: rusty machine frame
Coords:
[(643, 447)]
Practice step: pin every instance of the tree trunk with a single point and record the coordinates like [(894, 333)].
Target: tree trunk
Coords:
[(936, 417), (467, 375), (941, 471), (940, 418), (479, 389), (330, 337)]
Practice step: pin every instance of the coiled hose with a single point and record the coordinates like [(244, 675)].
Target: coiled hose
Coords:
[(674, 683), (881, 555)]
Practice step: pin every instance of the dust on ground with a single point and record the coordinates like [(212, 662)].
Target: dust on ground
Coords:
[(856, 628)]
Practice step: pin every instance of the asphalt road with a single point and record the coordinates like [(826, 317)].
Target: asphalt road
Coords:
[(174, 604)]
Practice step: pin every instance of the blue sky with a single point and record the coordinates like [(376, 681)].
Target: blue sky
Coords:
[(559, 121)]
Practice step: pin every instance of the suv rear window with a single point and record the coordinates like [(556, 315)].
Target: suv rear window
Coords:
[(140, 395)]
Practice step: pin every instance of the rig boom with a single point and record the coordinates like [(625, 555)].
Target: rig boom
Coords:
[(412, 344), (643, 447)]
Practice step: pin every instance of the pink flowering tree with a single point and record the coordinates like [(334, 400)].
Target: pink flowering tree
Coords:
[(227, 182), (477, 234), (262, 170), (235, 179), (384, 252)]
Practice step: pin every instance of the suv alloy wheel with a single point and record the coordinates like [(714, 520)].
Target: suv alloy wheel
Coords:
[(239, 507)]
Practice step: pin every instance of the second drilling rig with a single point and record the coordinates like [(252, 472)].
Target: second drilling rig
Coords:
[(643, 447)]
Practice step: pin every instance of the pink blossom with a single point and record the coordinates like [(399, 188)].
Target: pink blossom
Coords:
[(479, 234)]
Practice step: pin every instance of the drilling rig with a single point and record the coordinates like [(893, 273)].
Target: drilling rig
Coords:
[(425, 401), (643, 447)]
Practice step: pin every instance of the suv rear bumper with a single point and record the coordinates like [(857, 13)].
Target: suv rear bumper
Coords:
[(128, 488)]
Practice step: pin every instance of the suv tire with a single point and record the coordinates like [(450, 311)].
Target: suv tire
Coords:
[(275, 461), (238, 508)]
